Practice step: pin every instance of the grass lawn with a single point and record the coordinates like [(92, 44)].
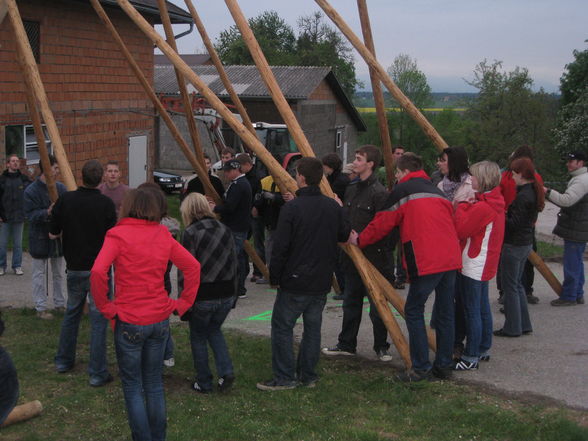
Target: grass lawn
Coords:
[(355, 400)]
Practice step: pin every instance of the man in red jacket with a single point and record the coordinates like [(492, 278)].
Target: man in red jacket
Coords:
[(431, 257)]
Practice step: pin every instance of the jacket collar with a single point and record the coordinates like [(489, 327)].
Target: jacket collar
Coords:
[(416, 174), (369, 181), (493, 198), (138, 222), (580, 171), (311, 190)]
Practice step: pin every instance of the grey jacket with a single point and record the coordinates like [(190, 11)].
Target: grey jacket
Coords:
[(572, 220)]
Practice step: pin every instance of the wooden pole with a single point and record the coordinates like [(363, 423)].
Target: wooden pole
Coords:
[(389, 161), (171, 40), (30, 67), (412, 110), (220, 68), (23, 412), (305, 148)]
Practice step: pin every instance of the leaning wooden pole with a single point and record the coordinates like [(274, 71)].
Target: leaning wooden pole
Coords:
[(368, 38), (190, 120), (31, 71), (414, 112), (219, 67), (303, 145), (23, 412)]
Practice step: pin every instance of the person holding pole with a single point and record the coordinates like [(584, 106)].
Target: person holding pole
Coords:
[(44, 250), (302, 263), (425, 217)]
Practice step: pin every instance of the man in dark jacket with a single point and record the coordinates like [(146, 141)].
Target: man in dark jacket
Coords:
[(362, 200), (43, 250), (572, 227), (12, 186), (235, 213), (302, 264), (431, 255), (83, 217)]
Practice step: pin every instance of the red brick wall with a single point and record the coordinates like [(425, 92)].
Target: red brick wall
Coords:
[(96, 99)]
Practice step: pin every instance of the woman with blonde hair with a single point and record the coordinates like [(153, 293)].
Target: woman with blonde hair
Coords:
[(480, 228), (211, 242), (139, 247)]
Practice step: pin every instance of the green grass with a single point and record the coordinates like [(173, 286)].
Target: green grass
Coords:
[(548, 250), (355, 400)]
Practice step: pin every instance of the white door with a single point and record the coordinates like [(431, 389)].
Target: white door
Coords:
[(137, 160)]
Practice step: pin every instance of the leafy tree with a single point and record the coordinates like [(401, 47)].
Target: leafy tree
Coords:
[(275, 37), (575, 80)]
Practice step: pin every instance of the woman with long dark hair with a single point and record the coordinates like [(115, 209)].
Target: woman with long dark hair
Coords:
[(518, 241), (457, 180), (140, 248)]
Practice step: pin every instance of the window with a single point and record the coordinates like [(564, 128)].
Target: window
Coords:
[(339, 139), (33, 30), (21, 140)]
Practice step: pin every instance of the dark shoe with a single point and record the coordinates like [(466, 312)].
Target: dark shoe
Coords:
[(485, 357), (99, 382), (384, 355), (527, 332), (457, 351), (501, 333), (464, 365), (442, 373), (339, 297), (501, 299), (273, 385), (580, 300), (309, 383), (253, 278), (225, 383), (197, 388), (63, 369), (243, 296), (399, 285), (335, 350), (412, 376), (532, 300), (261, 281), (561, 302), (501, 310)]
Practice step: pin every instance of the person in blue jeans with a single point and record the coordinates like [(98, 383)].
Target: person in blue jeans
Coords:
[(303, 259), (211, 242), (572, 227), (140, 248), (82, 217)]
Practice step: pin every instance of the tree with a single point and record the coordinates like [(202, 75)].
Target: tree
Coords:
[(317, 44), (275, 37), (575, 80)]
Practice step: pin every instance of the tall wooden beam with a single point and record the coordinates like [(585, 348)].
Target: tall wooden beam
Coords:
[(368, 38), (31, 71)]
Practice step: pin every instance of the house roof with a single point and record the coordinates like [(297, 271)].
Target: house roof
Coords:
[(190, 59), (151, 9), (296, 83)]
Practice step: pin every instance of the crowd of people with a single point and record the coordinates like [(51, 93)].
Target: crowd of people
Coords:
[(119, 245)]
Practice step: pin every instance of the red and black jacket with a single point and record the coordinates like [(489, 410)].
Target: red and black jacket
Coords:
[(427, 231)]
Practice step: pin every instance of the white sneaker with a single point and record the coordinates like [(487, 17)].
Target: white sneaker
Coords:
[(170, 362), (18, 271), (384, 355), (2, 271), (44, 315)]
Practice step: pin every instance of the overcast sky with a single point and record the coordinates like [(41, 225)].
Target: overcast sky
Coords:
[(447, 37)]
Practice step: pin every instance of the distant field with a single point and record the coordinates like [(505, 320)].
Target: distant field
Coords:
[(397, 109)]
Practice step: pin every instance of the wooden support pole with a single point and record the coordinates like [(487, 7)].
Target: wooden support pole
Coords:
[(171, 40), (389, 161), (23, 412), (30, 67), (220, 68), (303, 145), (412, 110)]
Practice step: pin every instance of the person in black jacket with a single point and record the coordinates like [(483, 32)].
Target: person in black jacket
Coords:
[(518, 241), (83, 217), (302, 264), (195, 184), (12, 215)]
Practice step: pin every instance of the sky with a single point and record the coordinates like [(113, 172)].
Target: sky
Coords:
[(448, 38)]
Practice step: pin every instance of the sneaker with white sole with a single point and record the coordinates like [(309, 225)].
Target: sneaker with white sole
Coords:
[(384, 355), (197, 388), (464, 365), (2, 271), (273, 385), (44, 315), (18, 271), (335, 350), (170, 362), (225, 383)]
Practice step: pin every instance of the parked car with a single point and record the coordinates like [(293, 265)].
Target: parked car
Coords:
[(168, 182)]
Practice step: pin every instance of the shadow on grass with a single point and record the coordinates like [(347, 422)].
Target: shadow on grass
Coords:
[(355, 399)]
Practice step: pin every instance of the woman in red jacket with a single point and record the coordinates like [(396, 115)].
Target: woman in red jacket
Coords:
[(480, 228), (139, 247)]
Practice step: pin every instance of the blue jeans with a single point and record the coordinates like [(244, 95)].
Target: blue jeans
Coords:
[(139, 351), (287, 308), (478, 318), (242, 261), (355, 292), (205, 328), (573, 284), (78, 289), (516, 311), (13, 229), (414, 309)]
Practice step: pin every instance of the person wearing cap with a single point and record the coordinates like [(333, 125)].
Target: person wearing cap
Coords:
[(572, 227), (235, 212)]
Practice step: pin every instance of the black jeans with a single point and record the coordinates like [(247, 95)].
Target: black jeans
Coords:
[(355, 292)]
